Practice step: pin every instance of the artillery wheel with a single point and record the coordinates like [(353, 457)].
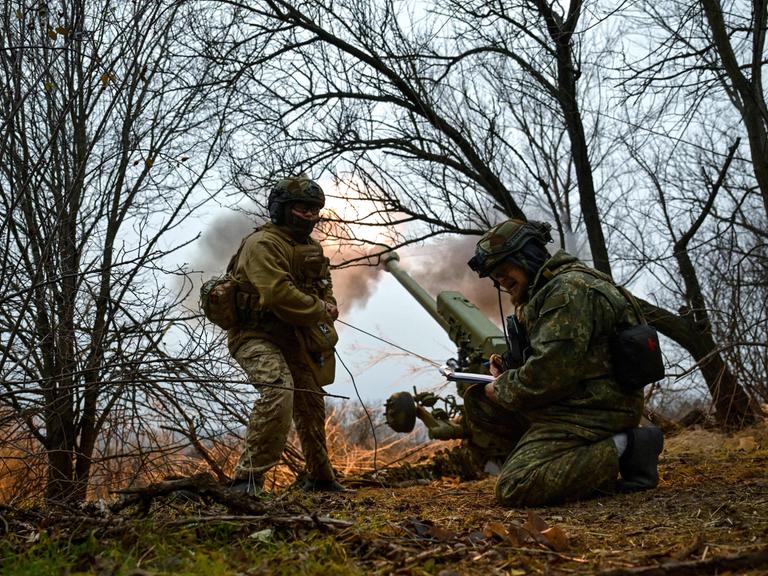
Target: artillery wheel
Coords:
[(400, 412)]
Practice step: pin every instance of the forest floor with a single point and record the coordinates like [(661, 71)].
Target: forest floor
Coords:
[(709, 515)]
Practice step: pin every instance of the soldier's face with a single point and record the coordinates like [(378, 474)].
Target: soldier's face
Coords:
[(306, 211), (513, 279)]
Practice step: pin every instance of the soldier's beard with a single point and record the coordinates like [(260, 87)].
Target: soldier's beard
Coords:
[(518, 295)]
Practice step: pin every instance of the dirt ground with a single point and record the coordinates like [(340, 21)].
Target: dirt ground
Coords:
[(708, 516)]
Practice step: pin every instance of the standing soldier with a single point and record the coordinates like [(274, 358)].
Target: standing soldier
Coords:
[(286, 344), (583, 424)]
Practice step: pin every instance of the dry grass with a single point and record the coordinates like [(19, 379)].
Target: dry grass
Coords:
[(709, 515)]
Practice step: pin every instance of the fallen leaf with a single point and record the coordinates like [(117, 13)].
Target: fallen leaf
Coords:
[(535, 523), (556, 538), (496, 529), (440, 533), (747, 443)]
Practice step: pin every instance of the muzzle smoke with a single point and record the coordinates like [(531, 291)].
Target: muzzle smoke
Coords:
[(438, 266)]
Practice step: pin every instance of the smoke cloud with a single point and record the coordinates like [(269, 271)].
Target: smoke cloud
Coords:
[(437, 266), (353, 286), (442, 265), (220, 241)]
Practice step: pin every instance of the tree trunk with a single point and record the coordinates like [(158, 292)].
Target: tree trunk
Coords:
[(748, 92), (561, 32), (734, 409), (60, 443)]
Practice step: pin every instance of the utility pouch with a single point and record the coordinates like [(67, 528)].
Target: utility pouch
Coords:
[(319, 343), (319, 337), (224, 301), (636, 352), (309, 263), (518, 344), (218, 301), (636, 357)]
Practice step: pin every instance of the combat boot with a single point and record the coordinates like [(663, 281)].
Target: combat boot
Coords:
[(639, 465)]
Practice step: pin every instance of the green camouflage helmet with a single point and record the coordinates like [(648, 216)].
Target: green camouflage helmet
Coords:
[(504, 240), (288, 190)]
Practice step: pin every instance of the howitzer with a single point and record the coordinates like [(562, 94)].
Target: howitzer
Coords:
[(476, 338)]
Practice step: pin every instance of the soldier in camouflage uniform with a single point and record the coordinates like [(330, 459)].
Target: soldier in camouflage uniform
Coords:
[(284, 293), (583, 429)]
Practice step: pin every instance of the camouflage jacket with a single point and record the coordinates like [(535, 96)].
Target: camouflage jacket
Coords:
[(571, 316), (290, 281)]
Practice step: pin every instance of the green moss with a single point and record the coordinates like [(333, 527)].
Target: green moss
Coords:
[(211, 550)]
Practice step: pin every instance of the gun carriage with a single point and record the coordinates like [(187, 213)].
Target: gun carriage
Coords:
[(475, 337)]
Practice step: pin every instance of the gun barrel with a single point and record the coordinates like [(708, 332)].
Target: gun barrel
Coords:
[(390, 261), (475, 336)]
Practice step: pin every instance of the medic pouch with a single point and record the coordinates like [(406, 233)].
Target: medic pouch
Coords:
[(635, 351)]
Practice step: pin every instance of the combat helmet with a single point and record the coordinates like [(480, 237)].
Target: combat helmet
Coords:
[(506, 240), (290, 190)]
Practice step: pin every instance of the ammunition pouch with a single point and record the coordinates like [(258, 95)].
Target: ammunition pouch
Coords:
[(318, 341)]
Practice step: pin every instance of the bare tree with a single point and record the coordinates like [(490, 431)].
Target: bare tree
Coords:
[(416, 123), (707, 47), (109, 134), (682, 213), (700, 95)]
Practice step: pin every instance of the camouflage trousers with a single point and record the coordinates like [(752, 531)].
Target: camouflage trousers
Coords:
[(555, 463), (545, 463), (299, 399), (493, 430)]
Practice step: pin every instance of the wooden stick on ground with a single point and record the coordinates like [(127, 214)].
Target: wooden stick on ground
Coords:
[(714, 564)]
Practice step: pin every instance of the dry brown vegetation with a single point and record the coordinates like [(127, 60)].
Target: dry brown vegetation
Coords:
[(708, 516)]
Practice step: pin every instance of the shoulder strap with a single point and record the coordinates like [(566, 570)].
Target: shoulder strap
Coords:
[(233, 262), (628, 296)]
